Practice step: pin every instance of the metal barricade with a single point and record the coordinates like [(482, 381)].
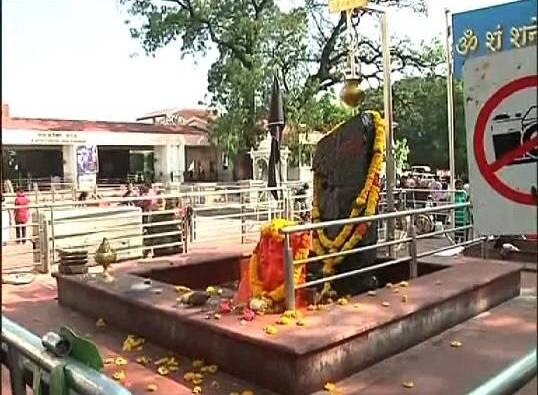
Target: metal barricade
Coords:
[(237, 214), (21, 242), (224, 214), (29, 363), (411, 238)]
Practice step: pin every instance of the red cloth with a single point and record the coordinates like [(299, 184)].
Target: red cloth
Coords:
[(271, 266), (22, 214), (244, 292)]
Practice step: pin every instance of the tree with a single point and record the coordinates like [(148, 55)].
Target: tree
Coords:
[(420, 111), (401, 154), (253, 40), (324, 113)]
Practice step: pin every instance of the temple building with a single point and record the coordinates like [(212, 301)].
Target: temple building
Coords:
[(203, 160), (40, 148)]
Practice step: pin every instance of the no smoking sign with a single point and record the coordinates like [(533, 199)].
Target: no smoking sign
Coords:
[(501, 114)]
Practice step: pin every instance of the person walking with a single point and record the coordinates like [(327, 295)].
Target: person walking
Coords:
[(22, 214), (466, 185), (461, 214), (437, 194), (129, 192), (148, 192), (437, 189)]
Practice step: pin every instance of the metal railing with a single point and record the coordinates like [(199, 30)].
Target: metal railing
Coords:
[(83, 227), (29, 362), (223, 214), (411, 239), (511, 379), (216, 216)]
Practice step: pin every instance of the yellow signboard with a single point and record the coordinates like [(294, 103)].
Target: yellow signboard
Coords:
[(344, 5)]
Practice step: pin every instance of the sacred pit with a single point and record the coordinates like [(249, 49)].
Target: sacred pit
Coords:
[(228, 309)]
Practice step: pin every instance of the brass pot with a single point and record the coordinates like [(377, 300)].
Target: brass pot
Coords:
[(105, 255), (351, 93)]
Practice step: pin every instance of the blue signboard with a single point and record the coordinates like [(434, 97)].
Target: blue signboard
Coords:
[(488, 30)]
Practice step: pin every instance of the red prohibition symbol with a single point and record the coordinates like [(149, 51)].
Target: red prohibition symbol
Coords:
[(489, 170)]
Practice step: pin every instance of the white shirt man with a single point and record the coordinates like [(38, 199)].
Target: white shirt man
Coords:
[(437, 189)]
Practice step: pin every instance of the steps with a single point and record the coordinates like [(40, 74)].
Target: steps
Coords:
[(490, 342)]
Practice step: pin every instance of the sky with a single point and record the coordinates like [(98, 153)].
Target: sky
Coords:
[(75, 59)]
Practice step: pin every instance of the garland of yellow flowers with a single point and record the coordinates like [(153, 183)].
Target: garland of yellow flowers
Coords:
[(366, 203), (272, 230)]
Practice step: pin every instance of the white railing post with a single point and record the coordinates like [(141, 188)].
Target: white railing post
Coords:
[(242, 202), (412, 246), (290, 201), (53, 241), (289, 283), (185, 235), (484, 248)]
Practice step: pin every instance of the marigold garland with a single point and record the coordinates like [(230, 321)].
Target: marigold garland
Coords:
[(365, 204)]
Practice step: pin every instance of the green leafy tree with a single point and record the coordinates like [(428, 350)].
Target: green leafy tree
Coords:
[(324, 113), (420, 111), (254, 39), (401, 154)]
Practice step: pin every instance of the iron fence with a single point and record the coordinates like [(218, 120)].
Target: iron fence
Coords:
[(410, 239), (140, 226), (223, 214)]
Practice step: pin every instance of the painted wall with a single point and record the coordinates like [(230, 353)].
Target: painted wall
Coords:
[(169, 148)]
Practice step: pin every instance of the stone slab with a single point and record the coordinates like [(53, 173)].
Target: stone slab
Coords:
[(34, 307), (490, 342), (334, 344)]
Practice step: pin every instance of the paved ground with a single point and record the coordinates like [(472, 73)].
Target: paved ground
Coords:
[(35, 307), (490, 342), (434, 367)]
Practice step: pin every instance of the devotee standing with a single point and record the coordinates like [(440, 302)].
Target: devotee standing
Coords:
[(22, 214)]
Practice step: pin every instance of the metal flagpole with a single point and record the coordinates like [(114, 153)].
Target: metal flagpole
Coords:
[(450, 107), (276, 127), (387, 90)]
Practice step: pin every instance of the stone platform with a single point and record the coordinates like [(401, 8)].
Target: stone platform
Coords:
[(527, 255), (334, 344), (437, 368)]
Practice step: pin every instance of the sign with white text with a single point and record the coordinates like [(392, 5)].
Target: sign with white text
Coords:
[(56, 138), (493, 29)]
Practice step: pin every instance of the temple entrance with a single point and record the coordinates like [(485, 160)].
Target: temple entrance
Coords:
[(119, 164), (26, 165), (142, 164)]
